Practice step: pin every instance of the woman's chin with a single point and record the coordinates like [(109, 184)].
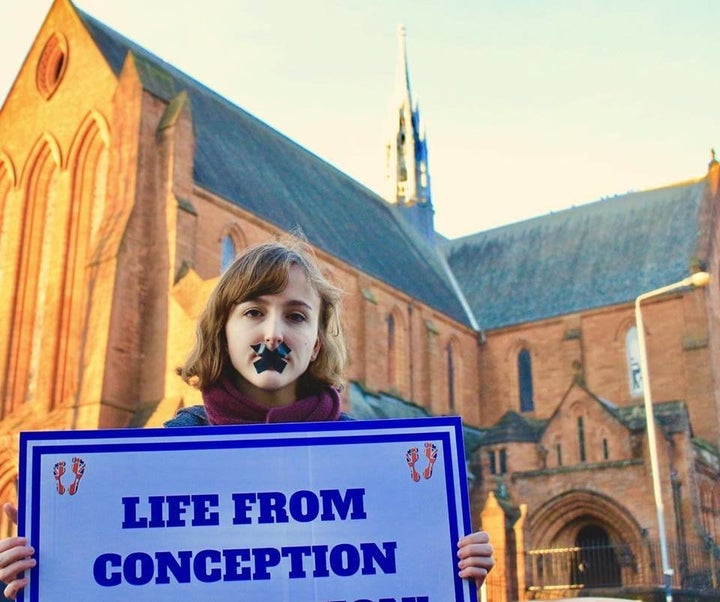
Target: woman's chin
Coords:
[(270, 389)]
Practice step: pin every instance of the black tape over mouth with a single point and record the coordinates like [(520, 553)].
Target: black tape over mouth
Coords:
[(270, 359)]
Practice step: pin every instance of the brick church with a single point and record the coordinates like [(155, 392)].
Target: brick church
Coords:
[(126, 187)]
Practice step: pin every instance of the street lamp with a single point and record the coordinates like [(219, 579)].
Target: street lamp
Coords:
[(698, 279)]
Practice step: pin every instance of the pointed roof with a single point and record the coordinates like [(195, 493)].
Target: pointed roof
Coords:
[(671, 416), (596, 255), (243, 160), (513, 427)]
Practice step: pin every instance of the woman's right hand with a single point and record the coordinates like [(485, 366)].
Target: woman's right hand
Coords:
[(15, 558)]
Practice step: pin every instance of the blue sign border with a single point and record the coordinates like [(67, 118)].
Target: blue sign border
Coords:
[(226, 437)]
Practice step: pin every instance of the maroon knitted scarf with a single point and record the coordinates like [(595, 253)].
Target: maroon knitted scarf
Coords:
[(224, 404)]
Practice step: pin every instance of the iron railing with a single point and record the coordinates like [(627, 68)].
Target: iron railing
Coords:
[(627, 566)]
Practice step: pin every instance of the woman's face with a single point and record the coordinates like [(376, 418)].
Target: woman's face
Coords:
[(290, 317)]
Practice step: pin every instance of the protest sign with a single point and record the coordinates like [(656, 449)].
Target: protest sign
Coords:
[(349, 511)]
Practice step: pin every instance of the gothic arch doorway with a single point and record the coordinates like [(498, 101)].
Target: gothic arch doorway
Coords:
[(594, 562), (582, 539)]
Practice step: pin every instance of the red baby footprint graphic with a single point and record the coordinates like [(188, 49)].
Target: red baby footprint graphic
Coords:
[(58, 472), (78, 467), (431, 452), (411, 457)]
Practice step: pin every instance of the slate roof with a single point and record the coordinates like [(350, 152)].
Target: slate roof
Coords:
[(373, 406), (671, 416), (512, 427), (594, 255), (243, 160)]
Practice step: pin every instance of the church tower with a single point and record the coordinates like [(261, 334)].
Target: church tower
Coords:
[(406, 161)]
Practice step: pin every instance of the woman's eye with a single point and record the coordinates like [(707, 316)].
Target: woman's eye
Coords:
[(252, 313), (297, 317)]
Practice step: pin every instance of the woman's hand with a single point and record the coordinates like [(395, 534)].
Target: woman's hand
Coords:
[(15, 557), (476, 557)]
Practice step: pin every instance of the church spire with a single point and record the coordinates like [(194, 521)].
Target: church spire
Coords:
[(402, 84), (407, 173)]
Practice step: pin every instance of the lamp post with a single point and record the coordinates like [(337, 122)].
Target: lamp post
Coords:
[(698, 279)]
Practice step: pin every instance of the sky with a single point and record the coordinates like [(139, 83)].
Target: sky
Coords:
[(530, 106)]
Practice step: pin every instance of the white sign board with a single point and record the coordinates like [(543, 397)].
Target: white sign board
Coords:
[(348, 511)]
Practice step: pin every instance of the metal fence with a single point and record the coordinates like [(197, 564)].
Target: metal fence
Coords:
[(627, 566)]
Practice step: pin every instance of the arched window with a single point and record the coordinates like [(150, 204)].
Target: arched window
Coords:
[(503, 461), (632, 355), (492, 462), (450, 377), (83, 224), (581, 439), (525, 381), (397, 352), (5, 185), (231, 241), (227, 252), (497, 461), (31, 284), (9, 491), (6, 280), (392, 367)]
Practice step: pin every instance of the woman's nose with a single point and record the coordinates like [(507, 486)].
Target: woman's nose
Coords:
[(273, 333)]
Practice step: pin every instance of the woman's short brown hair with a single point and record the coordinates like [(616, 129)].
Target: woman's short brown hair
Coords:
[(264, 270)]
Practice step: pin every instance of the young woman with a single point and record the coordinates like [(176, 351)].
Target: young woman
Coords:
[(269, 348)]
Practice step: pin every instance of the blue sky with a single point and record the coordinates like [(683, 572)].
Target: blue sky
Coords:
[(530, 106)]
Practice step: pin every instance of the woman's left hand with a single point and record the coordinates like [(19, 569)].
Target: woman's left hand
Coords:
[(476, 557)]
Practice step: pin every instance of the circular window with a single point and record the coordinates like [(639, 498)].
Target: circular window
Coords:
[(52, 64)]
